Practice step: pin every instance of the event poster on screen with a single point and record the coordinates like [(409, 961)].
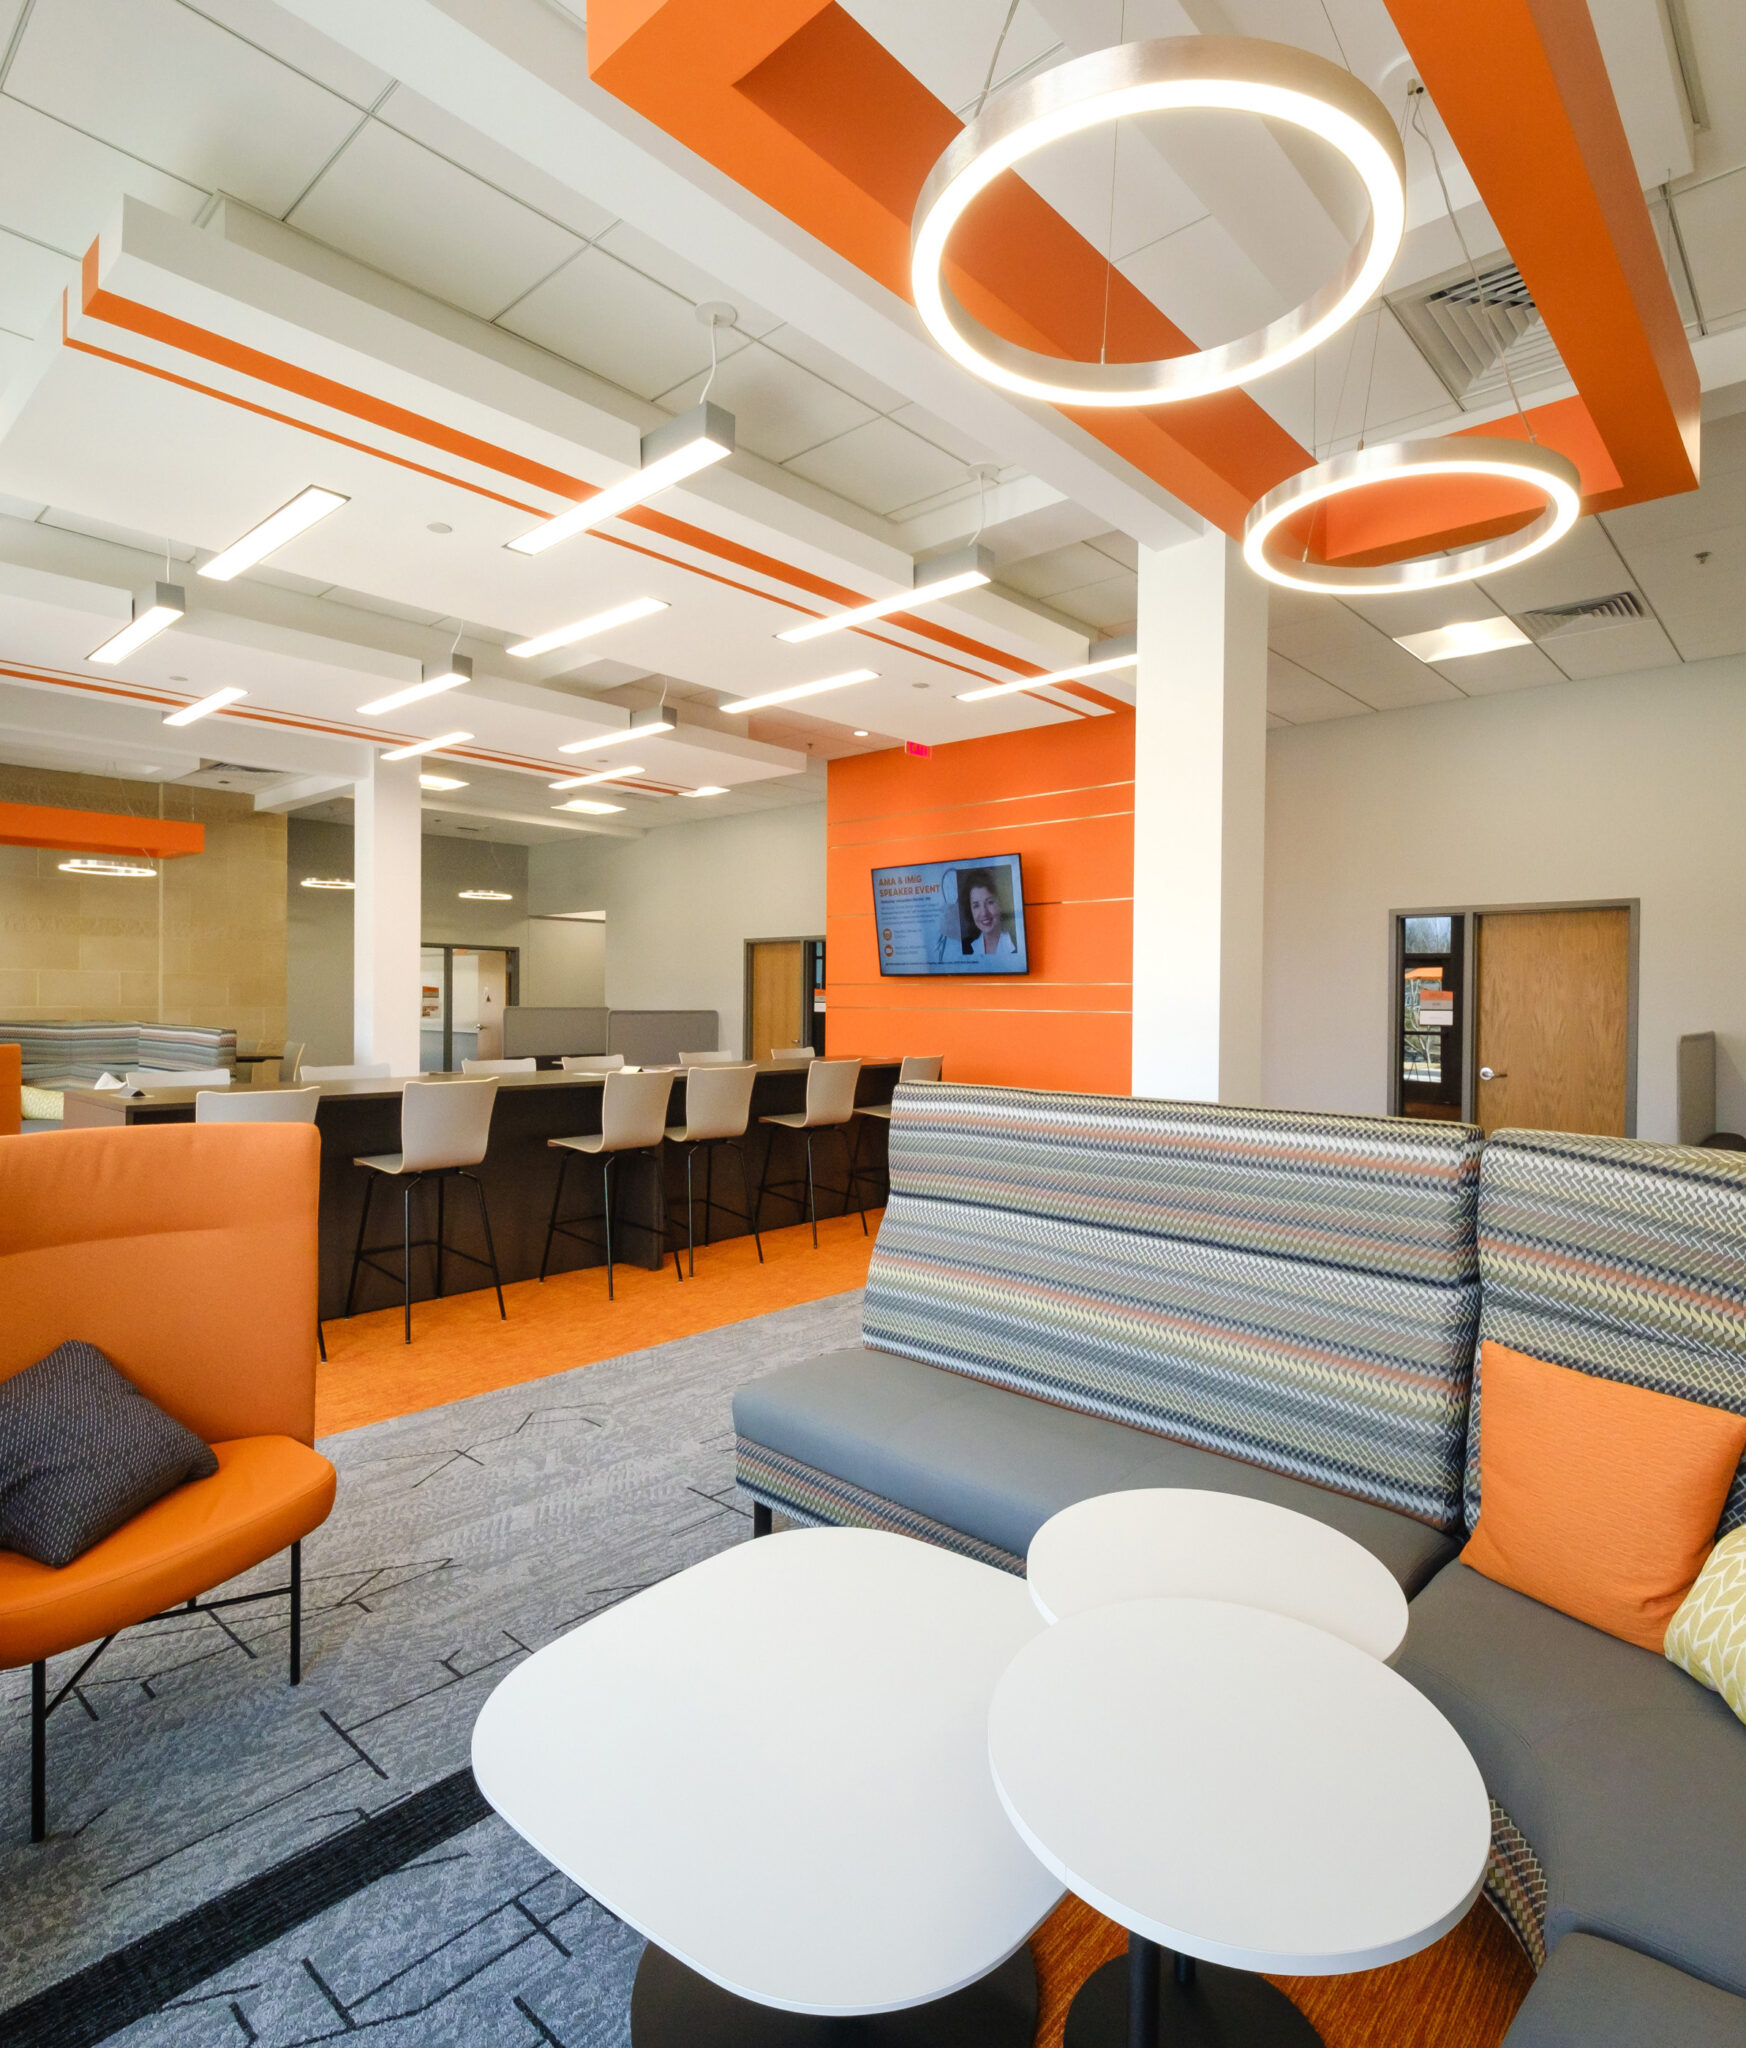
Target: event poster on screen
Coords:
[(952, 917)]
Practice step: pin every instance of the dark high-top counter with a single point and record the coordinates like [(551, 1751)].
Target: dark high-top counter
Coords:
[(519, 1172)]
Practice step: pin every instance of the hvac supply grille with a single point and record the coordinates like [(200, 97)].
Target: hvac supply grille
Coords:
[(1591, 615), (1464, 331)]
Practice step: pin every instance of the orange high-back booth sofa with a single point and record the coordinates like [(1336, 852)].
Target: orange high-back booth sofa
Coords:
[(11, 1091), (187, 1254)]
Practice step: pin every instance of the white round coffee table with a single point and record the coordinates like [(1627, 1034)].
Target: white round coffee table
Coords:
[(775, 1766), (1240, 1789), (1180, 1542)]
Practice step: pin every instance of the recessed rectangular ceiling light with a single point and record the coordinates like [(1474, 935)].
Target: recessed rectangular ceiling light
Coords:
[(411, 753), (585, 629), (438, 676), (156, 606), (1471, 636), (946, 577), (440, 782), (670, 454), (842, 682), (1060, 675), (205, 707), (599, 775), (273, 532), (640, 728), (582, 803), (708, 789)]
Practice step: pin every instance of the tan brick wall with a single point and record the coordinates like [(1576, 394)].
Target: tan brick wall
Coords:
[(204, 944)]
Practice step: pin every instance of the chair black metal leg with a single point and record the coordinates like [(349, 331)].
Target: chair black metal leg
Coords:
[(760, 1518), (746, 1191), (606, 1193), (406, 1252), (321, 1340), (358, 1248), (708, 1184), (811, 1199), (39, 1750), (442, 1185), (490, 1247), (557, 1197), (690, 1215), (297, 1614)]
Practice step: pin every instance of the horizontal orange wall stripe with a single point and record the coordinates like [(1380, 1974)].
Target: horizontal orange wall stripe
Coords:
[(97, 832)]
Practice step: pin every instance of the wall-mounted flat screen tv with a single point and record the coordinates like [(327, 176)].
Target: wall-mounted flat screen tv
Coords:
[(956, 917)]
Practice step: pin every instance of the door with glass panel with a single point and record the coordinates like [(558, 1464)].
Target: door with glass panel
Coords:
[(1430, 1016)]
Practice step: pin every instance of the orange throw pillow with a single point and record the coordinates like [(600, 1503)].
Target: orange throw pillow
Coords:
[(1597, 1498)]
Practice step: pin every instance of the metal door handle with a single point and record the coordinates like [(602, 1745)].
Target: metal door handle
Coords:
[(1486, 1074)]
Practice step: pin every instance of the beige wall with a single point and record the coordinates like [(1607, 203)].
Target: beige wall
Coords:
[(204, 944)]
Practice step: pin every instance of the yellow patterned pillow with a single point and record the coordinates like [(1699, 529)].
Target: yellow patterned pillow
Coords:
[(1707, 1636)]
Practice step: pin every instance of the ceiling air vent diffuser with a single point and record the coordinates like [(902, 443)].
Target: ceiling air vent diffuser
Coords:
[(1554, 621), (1464, 332)]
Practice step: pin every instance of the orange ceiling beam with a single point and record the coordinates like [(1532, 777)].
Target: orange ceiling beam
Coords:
[(97, 832), (796, 102), (1522, 87)]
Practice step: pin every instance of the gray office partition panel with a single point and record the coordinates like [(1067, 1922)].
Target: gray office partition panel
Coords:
[(656, 1038), (544, 1033), (1697, 1087)]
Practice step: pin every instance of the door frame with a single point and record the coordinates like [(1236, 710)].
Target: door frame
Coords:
[(448, 949), (1470, 914), (806, 1008)]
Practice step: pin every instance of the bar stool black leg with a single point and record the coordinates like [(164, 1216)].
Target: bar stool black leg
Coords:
[(606, 1192), (490, 1247), (297, 1614), (442, 1184), (406, 1232), (746, 1192), (358, 1248), (39, 1749), (557, 1198), (708, 1184), (764, 1177), (1143, 1967), (321, 1340), (690, 1215), (811, 1199), (760, 1518)]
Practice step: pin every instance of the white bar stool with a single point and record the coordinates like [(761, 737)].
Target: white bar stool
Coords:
[(445, 1127), (256, 1105), (830, 1105), (917, 1066), (633, 1118), (718, 1111)]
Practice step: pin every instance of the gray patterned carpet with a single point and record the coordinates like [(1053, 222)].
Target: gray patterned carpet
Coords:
[(234, 1862)]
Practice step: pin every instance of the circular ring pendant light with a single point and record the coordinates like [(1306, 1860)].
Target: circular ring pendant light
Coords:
[(1227, 73), (1460, 455)]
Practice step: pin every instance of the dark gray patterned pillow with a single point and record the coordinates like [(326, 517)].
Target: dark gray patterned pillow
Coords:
[(82, 1451)]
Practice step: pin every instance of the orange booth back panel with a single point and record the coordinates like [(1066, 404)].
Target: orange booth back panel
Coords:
[(1062, 799)]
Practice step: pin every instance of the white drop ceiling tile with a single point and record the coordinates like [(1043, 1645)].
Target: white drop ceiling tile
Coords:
[(60, 186), (1611, 650), (1303, 699), (442, 131), (1202, 281), (1701, 604), (10, 10), (1120, 547), (618, 323), (1420, 611), (1109, 605), (630, 245), (1068, 568), (163, 82), (1333, 642), (394, 204), (14, 350), (1274, 721), (31, 279), (281, 34), (1073, 176), (834, 369), (1712, 229), (1584, 564), (932, 428), (880, 466), (1720, 501), (1505, 668), (779, 409)]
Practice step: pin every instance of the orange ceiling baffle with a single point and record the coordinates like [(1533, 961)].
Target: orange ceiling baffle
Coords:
[(98, 832)]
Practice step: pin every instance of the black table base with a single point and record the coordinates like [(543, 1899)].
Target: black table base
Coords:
[(1147, 1999), (673, 2007)]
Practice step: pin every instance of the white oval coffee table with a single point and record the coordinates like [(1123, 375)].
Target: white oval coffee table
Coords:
[(775, 1766), (1181, 1542), (1243, 1790)]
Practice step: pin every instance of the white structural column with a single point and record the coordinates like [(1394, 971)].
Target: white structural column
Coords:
[(1200, 774), (387, 905)]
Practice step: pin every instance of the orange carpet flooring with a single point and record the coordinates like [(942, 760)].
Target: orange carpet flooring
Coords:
[(1462, 1993), (459, 1347)]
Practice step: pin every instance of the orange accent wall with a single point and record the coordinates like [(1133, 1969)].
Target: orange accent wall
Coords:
[(1062, 799), (97, 832)]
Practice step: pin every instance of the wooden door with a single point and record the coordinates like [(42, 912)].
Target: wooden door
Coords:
[(778, 968), (1553, 1025)]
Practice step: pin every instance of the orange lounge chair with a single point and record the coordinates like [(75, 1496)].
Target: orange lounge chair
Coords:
[(187, 1254)]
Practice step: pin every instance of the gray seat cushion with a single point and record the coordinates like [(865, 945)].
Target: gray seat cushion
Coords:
[(996, 1465), (1594, 1994), (1627, 1777)]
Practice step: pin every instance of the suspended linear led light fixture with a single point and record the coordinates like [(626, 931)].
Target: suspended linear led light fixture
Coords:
[(273, 532), (946, 576), (1457, 455), (156, 606), (842, 682), (440, 782), (437, 677), (96, 865), (670, 454), (327, 882), (484, 895), (1105, 664), (643, 725), (586, 804), (1229, 73), (598, 775), (586, 629), (411, 753), (205, 706)]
